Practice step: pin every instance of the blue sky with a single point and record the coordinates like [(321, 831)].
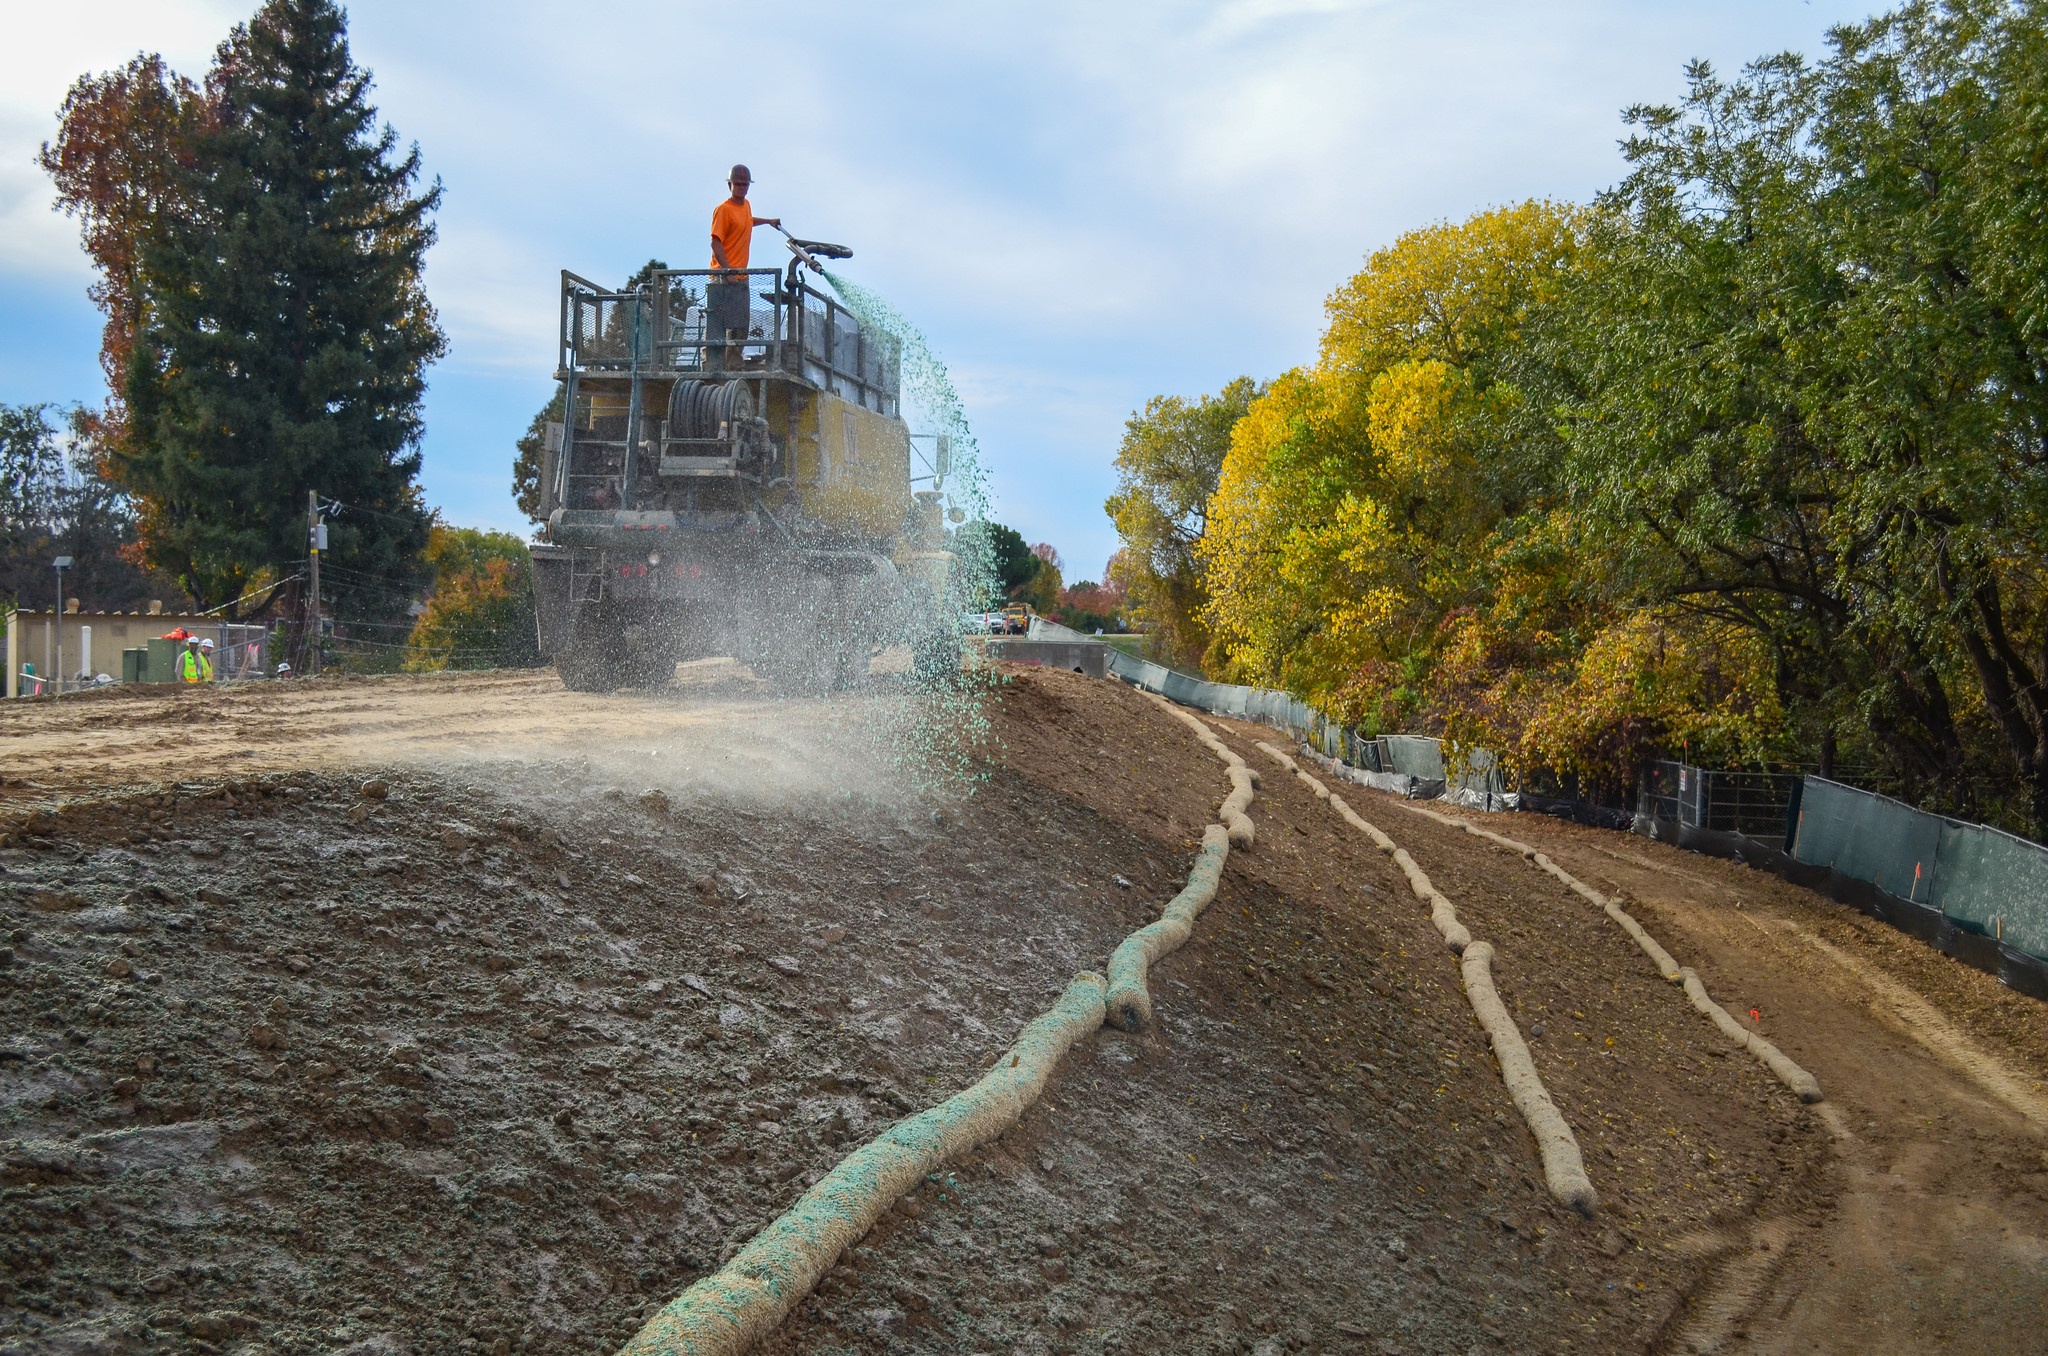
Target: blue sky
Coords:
[(1082, 204)]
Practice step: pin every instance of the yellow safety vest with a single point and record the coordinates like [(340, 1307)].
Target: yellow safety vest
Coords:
[(194, 667)]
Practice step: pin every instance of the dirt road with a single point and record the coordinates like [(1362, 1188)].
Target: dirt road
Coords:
[(466, 1014), (1938, 1236)]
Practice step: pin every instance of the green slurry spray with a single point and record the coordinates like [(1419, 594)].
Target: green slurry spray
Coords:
[(958, 724)]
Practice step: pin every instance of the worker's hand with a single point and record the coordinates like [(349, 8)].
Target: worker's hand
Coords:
[(776, 222)]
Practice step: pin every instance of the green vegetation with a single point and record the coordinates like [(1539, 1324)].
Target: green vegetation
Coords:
[(54, 502), (480, 613), (1167, 468), (260, 246)]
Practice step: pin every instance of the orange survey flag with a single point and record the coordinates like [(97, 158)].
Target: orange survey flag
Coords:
[(732, 225)]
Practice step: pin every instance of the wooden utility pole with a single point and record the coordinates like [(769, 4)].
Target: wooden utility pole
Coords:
[(312, 655)]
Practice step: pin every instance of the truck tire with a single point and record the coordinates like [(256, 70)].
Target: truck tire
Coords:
[(648, 656), (597, 658), (583, 670)]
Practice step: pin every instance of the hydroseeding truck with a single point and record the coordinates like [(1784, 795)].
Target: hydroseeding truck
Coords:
[(733, 476)]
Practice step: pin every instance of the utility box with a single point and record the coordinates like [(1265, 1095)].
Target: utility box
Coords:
[(135, 665), (163, 660)]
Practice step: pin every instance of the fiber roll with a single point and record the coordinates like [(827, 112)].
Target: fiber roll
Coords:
[(730, 1310), (1564, 1171), (1129, 1002), (1804, 1084), (1234, 806), (1441, 913), (1370, 830)]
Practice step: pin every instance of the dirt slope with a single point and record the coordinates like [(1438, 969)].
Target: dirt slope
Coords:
[(501, 1061)]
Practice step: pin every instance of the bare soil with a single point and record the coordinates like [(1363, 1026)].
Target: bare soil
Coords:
[(1938, 1235), (507, 1056)]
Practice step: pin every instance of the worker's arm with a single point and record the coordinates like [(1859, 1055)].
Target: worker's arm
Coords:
[(718, 252), (769, 221)]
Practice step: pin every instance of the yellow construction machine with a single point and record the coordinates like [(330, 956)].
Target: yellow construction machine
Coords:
[(733, 475)]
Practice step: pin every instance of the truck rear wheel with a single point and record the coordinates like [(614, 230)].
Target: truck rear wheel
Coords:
[(585, 671)]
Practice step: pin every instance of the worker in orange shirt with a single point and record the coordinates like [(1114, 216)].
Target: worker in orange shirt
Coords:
[(728, 307)]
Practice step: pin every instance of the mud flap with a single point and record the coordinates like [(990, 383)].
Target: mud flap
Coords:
[(553, 614)]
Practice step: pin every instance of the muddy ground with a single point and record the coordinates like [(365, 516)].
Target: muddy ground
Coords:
[(503, 1057)]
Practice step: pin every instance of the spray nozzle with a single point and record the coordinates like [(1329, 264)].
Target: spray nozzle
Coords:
[(811, 250)]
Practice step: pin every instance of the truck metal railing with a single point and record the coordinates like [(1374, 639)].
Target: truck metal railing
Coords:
[(706, 322)]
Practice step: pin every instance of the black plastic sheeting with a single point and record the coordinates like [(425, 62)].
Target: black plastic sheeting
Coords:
[(1579, 811), (2013, 968)]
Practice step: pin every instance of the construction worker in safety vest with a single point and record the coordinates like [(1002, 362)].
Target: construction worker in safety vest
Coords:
[(194, 664)]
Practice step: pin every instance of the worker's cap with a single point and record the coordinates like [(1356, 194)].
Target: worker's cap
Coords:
[(206, 644)]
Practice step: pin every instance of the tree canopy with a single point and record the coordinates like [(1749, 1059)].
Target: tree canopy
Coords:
[(1745, 461), (260, 246), (1167, 468), (53, 502), (480, 612)]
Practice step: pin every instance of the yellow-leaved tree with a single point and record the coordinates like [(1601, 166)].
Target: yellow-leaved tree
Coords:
[(1391, 538), (1363, 499), (480, 614)]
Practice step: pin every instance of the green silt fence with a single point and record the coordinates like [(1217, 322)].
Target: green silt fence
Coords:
[(1980, 879)]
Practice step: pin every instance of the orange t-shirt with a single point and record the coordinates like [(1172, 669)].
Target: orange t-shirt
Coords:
[(732, 225)]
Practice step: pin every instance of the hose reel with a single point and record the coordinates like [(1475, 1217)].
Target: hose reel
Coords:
[(722, 412)]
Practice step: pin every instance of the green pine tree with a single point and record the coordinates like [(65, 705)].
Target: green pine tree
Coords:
[(288, 332)]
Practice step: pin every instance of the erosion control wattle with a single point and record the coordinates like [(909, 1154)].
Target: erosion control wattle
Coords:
[(728, 1311), (1787, 1072), (1130, 965), (1564, 1169)]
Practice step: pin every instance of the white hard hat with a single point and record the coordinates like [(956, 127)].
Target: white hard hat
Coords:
[(206, 644), (284, 667)]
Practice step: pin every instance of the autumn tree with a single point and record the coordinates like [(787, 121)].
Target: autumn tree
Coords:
[(1167, 468), (479, 614), (120, 162), (1368, 500), (284, 332), (1042, 588)]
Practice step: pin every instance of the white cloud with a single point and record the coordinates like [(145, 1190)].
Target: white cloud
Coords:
[(48, 47)]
